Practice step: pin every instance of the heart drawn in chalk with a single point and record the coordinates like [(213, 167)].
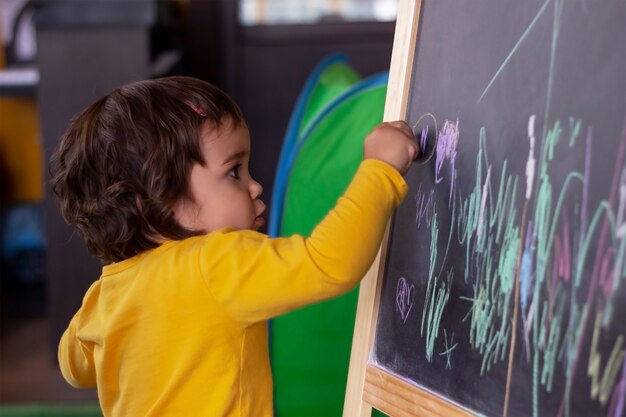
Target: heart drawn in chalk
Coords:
[(405, 293)]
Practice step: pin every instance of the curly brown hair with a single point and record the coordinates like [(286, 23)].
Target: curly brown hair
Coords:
[(126, 159)]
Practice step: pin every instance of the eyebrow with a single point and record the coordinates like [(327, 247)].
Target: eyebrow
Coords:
[(235, 156)]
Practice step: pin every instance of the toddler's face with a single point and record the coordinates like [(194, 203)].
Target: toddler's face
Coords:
[(223, 192)]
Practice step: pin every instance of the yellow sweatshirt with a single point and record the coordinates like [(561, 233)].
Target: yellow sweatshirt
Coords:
[(181, 330)]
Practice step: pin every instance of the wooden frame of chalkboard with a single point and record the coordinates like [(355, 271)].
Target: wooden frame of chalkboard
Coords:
[(368, 385)]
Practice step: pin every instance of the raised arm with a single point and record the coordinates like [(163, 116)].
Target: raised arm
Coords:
[(257, 278)]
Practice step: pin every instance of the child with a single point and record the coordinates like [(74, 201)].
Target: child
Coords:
[(155, 178)]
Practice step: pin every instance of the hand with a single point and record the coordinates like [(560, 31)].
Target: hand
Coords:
[(393, 143)]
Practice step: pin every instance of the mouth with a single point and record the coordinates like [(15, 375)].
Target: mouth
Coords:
[(259, 220)]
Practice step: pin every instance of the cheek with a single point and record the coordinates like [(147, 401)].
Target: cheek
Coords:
[(246, 209), (238, 204), (245, 203)]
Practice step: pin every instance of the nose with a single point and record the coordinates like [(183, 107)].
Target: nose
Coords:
[(256, 189)]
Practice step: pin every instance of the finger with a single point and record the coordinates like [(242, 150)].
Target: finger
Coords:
[(406, 128), (398, 123), (408, 166), (413, 151), (402, 125)]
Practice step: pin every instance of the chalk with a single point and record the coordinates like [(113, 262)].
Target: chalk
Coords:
[(427, 134)]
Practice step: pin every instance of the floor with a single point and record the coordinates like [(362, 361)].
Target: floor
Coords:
[(28, 372)]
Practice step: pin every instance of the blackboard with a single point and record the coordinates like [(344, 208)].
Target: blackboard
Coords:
[(504, 286)]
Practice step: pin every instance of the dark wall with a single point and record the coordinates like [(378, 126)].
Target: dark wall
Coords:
[(81, 56)]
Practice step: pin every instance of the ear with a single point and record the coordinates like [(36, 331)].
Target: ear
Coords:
[(185, 212)]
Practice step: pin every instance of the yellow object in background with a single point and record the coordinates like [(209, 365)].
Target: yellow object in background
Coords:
[(21, 154)]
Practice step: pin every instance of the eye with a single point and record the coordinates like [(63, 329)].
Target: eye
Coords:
[(234, 172)]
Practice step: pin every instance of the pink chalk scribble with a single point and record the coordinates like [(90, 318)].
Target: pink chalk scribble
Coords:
[(405, 294), (446, 151)]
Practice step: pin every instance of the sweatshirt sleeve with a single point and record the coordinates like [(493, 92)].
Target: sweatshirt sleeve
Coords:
[(256, 278), (76, 359)]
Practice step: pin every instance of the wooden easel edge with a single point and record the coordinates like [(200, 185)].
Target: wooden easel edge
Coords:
[(369, 292), (397, 397)]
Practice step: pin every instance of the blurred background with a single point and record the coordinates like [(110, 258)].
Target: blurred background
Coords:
[(57, 56)]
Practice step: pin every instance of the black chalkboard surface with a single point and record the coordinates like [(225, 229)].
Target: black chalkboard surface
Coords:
[(504, 289)]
